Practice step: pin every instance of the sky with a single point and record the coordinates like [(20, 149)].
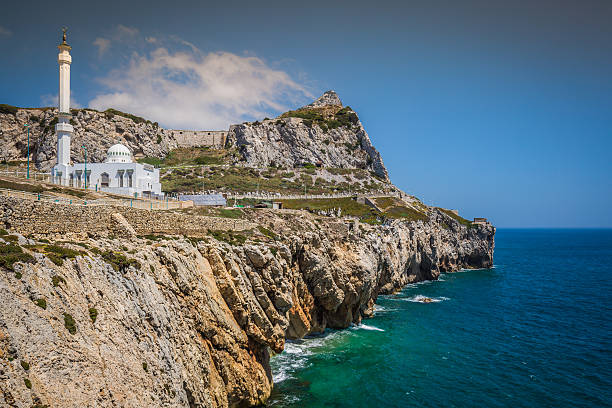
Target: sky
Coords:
[(500, 109)]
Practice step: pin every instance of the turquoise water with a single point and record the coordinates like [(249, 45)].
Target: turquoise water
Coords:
[(535, 331)]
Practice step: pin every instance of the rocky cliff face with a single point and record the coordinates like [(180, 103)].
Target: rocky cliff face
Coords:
[(322, 133), (186, 322), (96, 130)]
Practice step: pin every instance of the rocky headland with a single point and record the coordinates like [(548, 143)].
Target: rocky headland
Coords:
[(108, 306), (124, 317)]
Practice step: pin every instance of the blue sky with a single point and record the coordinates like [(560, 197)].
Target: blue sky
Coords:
[(501, 109)]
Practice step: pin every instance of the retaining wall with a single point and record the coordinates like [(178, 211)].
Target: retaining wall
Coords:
[(200, 138), (33, 217)]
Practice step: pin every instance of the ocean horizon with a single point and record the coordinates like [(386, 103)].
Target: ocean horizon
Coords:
[(534, 330)]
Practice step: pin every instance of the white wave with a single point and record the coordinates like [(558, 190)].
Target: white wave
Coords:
[(367, 327), (425, 299), (380, 309), (296, 354)]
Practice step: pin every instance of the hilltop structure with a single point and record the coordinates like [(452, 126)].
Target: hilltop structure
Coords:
[(118, 174)]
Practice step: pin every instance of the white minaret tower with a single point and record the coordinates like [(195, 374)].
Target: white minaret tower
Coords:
[(63, 129)]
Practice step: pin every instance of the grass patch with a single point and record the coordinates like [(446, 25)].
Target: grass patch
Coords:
[(267, 232), (456, 217), (185, 156), (230, 237), (405, 213), (348, 206), (230, 213), (70, 324)]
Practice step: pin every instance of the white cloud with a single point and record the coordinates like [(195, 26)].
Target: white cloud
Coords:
[(5, 32), (52, 100), (189, 89), (123, 31), (103, 44)]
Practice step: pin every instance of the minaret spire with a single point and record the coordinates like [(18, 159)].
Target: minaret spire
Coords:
[(63, 128)]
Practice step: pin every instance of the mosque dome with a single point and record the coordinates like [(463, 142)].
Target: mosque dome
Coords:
[(118, 154)]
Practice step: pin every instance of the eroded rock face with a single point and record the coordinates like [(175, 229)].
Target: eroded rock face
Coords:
[(96, 130), (193, 324)]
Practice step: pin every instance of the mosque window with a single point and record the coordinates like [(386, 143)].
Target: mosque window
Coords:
[(104, 182)]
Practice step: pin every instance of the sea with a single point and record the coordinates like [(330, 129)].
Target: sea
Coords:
[(533, 331)]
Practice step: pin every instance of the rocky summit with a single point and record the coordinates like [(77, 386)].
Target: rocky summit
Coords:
[(323, 134)]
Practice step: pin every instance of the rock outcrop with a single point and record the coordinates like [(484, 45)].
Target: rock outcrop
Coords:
[(96, 130), (322, 133), (190, 322)]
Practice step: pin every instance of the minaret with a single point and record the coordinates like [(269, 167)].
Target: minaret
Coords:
[(63, 129)]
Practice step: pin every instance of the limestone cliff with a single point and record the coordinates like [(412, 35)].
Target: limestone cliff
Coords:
[(322, 133), (96, 130), (177, 321)]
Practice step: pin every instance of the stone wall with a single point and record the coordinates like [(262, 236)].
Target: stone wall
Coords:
[(34, 217), (199, 138)]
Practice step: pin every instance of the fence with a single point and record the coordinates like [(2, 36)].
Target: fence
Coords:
[(273, 196), (133, 203), (34, 175)]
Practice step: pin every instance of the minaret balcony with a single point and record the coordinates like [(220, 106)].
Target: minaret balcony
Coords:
[(64, 127)]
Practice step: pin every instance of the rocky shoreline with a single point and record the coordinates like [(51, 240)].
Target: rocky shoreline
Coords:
[(186, 321)]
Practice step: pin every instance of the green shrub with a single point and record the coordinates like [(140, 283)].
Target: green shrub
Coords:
[(228, 236), (9, 109), (159, 139), (42, 303), (3, 232), (93, 314), (119, 262), (456, 217), (70, 324), (267, 232), (10, 254), (25, 365), (56, 280), (27, 383), (58, 254), (111, 112), (145, 367)]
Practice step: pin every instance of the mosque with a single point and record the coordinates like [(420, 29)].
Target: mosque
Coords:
[(118, 174)]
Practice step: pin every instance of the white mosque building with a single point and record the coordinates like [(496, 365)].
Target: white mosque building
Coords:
[(118, 174)]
